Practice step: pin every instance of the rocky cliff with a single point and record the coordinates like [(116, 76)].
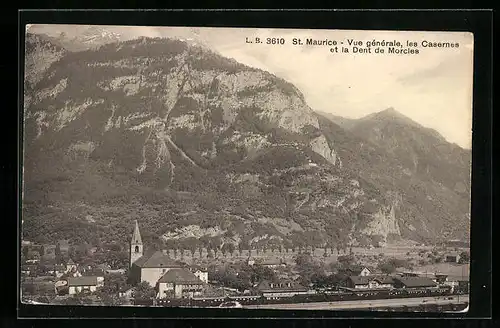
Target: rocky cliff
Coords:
[(189, 142)]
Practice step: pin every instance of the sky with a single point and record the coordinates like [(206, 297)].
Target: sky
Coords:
[(434, 87)]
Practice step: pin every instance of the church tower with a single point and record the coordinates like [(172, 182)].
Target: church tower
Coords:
[(136, 247)]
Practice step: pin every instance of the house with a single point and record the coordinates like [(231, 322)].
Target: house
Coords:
[(148, 267), (63, 246), (408, 274), (281, 288), (79, 284), (98, 273), (362, 272), (463, 285), (33, 261), (272, 263), (74, 272), (458, 282), (28, 269), (61, 287), (127, 293), (115, 271), (201, 273), (58, 270), (440, 278), (49, 251), (70, 266), (452, 258), (369, 282), (414, 282), (178, 282), (32, 248), (104, 266)]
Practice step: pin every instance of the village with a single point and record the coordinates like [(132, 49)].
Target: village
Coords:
[(60, 275)]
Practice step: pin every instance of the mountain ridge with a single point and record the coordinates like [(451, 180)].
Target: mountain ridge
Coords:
[(239, 143)]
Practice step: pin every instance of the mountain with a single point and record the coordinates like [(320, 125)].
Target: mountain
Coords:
[(344, 122), (424, 164), (76, 38), (202, 149), (423, 151)]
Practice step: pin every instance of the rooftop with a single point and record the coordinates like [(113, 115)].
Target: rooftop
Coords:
[(455, 254), (416, 282), (93, 272), (179, 276), (458, 278), (136, 236), (196, 267), (358, 269), (364, 280), (157, 260), (265, 286), (82, 281)]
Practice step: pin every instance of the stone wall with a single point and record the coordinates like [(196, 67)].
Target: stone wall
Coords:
[(204, 253)]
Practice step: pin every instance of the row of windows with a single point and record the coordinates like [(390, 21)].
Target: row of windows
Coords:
[(280, 285)]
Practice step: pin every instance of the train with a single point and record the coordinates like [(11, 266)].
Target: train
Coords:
[(323, 296)]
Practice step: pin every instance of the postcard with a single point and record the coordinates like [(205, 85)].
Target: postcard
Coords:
[(246, 168)]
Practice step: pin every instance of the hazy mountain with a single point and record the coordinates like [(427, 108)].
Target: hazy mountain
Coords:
[(199, 147), (77, 37), (424, 163), (344, 122), (423, 151)]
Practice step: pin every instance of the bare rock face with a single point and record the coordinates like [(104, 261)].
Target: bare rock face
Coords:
[(384, 223), (165, 96), (320, 146), (39, 56)]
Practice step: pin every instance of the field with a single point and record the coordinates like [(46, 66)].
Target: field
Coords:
[(455, 270)]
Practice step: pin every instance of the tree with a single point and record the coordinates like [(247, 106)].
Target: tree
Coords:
[(308, 269), (28, 288), (230, 248), (259, 273), (224, 249), (58, 253), (387, 267), (392, 264), (143, 291), (464, 257), (33, 255), (217, 243), (115, 283)]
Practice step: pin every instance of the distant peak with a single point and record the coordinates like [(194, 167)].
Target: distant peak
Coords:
[(391, 113)]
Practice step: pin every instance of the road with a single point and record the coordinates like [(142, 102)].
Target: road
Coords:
[(395, 302)]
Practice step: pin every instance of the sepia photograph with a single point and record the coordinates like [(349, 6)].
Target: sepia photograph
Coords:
[(254, 168)]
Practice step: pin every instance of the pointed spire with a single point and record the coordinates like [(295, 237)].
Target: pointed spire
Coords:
[(136, 237)]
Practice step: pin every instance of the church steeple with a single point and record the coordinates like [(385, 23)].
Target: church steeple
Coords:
[(136, 247), (136, 237)]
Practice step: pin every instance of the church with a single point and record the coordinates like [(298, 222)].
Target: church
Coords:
[(159, 270)]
